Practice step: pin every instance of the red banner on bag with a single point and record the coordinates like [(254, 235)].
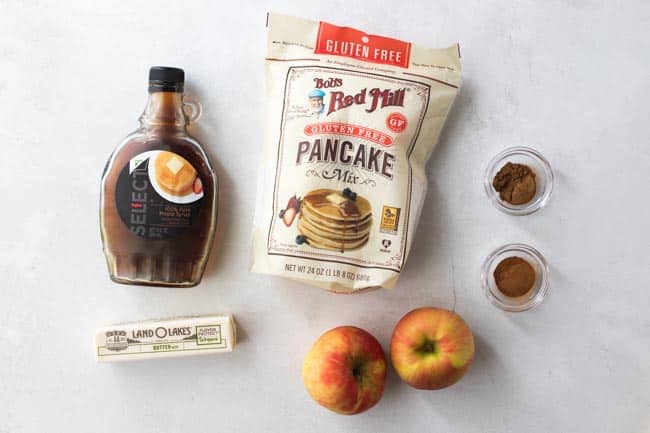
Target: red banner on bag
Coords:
[(353, 43), (338, 128)]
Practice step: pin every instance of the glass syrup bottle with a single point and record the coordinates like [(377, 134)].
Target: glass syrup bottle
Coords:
[(158, 204)]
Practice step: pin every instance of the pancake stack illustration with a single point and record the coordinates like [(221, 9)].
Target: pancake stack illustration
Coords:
[(335, 220), (174, 174)]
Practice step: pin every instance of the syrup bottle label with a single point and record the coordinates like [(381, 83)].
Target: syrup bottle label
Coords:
[(158, 194)]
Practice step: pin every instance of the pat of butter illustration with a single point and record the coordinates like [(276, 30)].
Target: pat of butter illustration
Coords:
[(174, 165)]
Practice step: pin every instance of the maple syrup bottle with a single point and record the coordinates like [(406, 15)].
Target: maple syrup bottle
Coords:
[(158, 202)]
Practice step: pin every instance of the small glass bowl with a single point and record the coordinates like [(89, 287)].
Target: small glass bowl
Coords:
[(533, 297), (543, 179)]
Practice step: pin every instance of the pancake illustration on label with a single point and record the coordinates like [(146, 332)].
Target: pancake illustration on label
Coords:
[(174, 174), (334, 220)]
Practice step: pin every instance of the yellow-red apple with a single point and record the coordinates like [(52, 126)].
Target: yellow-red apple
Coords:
[(345, 370), (431, 348)]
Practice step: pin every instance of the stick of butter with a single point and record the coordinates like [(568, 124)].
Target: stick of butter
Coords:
[(165, 338)]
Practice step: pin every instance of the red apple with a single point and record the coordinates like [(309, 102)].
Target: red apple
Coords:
[(345, 370), (431, 348)]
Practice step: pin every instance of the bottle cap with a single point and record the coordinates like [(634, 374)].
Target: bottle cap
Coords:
[(166, 79)]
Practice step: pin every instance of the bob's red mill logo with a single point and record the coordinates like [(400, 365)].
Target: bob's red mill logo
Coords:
[(379, 98), (347, 42)]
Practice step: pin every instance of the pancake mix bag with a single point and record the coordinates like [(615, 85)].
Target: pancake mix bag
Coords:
[(351, 119)]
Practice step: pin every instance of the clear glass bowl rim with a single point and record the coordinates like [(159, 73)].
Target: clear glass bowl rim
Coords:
[(542, 291), (533, 206)]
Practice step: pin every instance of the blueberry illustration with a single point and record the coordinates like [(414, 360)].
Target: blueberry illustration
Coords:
[(300, 239), (346, 192), (352, 196), (281, 214)]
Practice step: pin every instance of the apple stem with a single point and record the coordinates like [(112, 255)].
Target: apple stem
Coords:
[(428, 347)]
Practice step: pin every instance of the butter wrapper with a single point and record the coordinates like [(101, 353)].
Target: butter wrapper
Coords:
[(166, 338)]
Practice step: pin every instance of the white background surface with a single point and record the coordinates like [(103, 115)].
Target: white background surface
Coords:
[(569, 78)]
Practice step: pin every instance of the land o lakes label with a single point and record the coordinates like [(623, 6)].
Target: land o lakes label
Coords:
[(181, 336)]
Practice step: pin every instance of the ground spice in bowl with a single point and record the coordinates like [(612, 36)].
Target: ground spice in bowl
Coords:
[(515, 183), (514, 276)]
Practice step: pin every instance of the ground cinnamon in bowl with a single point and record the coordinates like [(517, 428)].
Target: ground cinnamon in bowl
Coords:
[(515, 183), (514, 276)]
